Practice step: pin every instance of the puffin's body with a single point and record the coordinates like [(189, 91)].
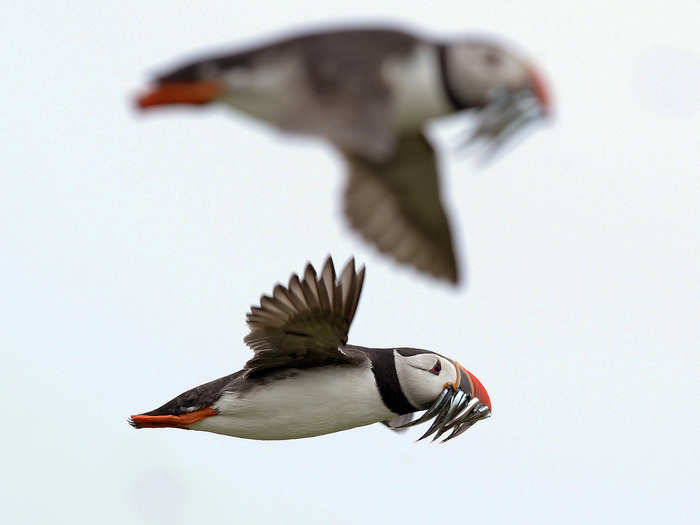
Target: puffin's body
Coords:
[(360, 89), (304, 380), (370, 92), (297, 403)]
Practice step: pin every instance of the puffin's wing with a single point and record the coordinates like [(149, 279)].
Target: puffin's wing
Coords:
[(396, 206), (304, 324)]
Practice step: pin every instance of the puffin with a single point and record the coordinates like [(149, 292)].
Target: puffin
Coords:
[(305, 380), (370, 92)]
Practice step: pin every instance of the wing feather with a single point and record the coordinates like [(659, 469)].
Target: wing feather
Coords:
[(304, 324), (396, 206)]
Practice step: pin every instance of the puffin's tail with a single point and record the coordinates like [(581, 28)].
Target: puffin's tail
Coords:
[(191, 93), (163, 421), (187, 408)]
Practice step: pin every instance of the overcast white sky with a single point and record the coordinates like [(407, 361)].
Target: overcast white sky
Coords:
[(131, 248)]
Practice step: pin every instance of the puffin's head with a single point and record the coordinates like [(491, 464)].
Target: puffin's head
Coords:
[(444, 388), (478, 70), (504, 87)]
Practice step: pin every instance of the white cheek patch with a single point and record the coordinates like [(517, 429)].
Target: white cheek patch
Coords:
[(418, 385), (475, 79), (449, 371), (514, 74)]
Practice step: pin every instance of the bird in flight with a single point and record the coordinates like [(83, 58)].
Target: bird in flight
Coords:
[(370, 92), (305, 380)]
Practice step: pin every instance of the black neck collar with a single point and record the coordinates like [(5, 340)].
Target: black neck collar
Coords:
[(384, 370), (454, 99)]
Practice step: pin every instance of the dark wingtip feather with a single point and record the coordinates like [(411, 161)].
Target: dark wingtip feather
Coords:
[(321, 297)]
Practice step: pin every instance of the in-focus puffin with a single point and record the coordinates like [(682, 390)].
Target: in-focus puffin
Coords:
[(305, 380), (370, 92)]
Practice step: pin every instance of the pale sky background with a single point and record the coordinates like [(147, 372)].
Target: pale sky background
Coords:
[(131, 248)]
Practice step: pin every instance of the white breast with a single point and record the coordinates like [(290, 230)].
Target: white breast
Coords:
[(310, 403), (417, 89)]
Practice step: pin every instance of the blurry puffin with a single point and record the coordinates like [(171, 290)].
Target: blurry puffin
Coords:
[(370, 92), (304, 380)]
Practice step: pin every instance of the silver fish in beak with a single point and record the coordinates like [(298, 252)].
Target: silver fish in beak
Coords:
[(507, 113), (457, 408)]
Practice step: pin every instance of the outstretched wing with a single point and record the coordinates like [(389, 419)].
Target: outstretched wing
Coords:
[(304, 324), (396, 206)]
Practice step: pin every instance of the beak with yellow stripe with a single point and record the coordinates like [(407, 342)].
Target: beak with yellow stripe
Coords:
[(460, 404)]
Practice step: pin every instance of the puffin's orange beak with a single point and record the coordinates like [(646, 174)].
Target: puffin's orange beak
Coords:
[(477, 389), (196, 93), (180, 421), (539, 86)]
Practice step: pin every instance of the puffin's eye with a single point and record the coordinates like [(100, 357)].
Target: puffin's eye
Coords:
[(491, 58), (436, 369)]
